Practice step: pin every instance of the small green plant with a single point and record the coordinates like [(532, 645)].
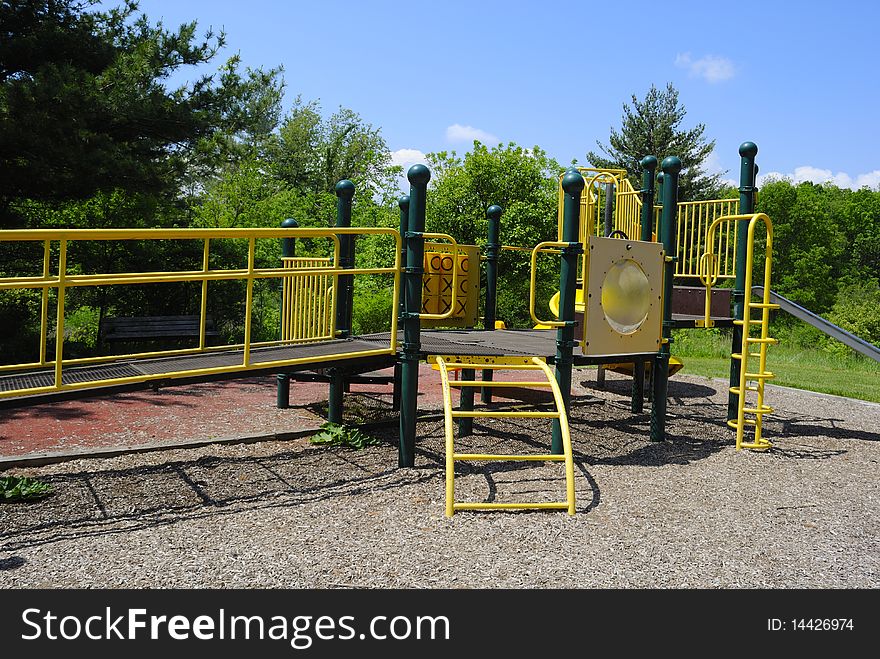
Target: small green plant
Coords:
[(333, 434), (14, 488)]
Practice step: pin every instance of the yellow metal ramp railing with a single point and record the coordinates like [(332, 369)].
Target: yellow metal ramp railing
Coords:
[(303, 294), (527, 364), (307, 302)]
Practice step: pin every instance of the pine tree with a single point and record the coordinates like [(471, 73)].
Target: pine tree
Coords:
[(653, 127)]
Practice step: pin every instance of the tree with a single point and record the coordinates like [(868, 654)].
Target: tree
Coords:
[(312, 153), (524, 183), (84, 106), (653, 127)]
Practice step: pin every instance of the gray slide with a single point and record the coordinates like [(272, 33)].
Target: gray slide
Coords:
[(832, 330)]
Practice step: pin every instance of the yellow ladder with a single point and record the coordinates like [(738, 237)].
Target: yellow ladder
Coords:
[(532, 364), (760, 376)]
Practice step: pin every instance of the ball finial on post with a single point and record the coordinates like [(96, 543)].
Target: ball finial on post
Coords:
[(418, 175), (345, 189), (671, 165), (649, 163), (573, 182), (748, 149)]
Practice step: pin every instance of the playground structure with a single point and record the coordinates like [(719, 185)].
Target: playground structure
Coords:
[(627, 317)]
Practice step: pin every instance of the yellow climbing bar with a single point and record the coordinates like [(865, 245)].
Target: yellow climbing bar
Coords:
[(537, 364), (760, 375)]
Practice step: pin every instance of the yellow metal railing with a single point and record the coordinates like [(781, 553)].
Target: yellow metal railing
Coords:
[(307, 302), (62, 280), (747, 415), (694, 219), (453, 247), (528, 364), (692, 239), (546, 247)]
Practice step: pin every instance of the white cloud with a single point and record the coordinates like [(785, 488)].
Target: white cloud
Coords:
[(710, 68), (406, 158), (817, 175), (457, 133)]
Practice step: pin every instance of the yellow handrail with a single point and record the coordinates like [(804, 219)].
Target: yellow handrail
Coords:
[(541, 247), (63, 280), (455, 252)]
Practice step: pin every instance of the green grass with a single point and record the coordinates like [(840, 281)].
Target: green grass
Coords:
[(802, 367)]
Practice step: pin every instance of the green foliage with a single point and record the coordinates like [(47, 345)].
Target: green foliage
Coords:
[(372, 308), (84, 106), (857, 310), (22, 488), (652, 127), (825, 237), (312, 153), (712, 342), (333, 434), (524, 183)]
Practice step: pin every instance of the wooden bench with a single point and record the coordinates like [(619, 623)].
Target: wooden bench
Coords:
[(134, 329)]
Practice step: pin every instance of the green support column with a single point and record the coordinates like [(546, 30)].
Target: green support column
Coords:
[(466, 403), (649, 166), (344, 295), (288, 250), (671, 167), (747, 152), (403, 204), (493, 249), (572, 184), (418, 176), (646, 219)]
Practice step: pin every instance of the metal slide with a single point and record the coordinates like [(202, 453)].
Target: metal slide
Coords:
[(859, 345)]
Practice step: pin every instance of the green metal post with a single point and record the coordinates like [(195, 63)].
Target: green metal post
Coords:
[(493, 248), (608, 217), (344, 195), (466, 423), (747, 152), (403, 204), (344, 295), (671, 167), (649, 166), (288, 250), (418, 176), (572, 184)]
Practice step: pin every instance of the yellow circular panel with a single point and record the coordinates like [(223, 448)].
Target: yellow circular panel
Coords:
[(626, 296)]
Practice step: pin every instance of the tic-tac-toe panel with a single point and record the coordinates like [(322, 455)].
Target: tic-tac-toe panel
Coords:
[(623, 301), (437, 285)]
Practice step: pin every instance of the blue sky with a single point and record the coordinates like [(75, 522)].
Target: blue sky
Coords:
[(801, 80)]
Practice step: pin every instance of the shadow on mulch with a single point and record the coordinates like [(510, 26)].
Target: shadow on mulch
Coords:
[(110, 501)]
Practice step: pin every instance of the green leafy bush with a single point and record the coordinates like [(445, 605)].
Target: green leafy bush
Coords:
[(333, 434), (857, 310), (372, 310), (15, 488)]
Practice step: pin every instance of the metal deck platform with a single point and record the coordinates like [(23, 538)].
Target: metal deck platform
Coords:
[(158, 370), (499, 343), (341, 353)]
